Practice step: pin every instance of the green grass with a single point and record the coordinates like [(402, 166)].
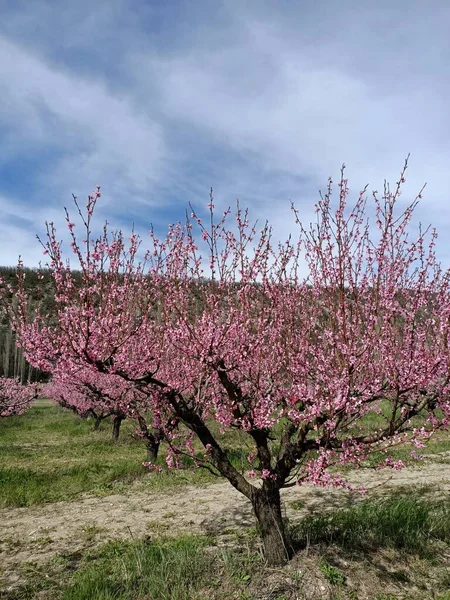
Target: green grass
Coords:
[(165, 569), (186, 568), (25, 487), (407, 525), (49, 454), (408, 522), (195, 568)]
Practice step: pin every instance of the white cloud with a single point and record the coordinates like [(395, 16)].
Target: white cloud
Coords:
[(261, 100), (98, 135)]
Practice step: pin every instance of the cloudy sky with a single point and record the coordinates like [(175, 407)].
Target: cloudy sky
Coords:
[(157, 101)]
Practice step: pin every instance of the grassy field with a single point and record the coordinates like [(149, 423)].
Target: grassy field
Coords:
[(50, 454), (393, 545)]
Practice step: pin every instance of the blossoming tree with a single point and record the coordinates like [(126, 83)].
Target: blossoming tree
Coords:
[(314, 370), (89, 394), (15, 398)]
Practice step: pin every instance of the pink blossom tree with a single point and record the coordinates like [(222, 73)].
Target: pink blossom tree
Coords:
[(15, 397), (314, 371), (89, 394), (97, 309)]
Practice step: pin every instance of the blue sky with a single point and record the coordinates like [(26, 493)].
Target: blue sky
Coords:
[(157, 101)]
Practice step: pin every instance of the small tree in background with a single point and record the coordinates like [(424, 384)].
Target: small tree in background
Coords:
[(100, 395), (15, 398), (89, 397), (314, 371)]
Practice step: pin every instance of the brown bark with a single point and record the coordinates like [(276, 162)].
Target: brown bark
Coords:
[(267, 508), (117, 421), (152, 438), (152, 445)]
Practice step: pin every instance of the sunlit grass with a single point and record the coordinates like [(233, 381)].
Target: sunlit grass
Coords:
[(50, 454), (167, 569), (406, 522)]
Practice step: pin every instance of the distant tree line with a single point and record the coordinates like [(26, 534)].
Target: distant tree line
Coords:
[(12, 360)]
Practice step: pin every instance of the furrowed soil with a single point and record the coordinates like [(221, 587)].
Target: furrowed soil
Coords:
[(37, 533)]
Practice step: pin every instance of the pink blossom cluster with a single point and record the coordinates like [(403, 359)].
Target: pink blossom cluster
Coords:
[(85, 391), (15, 397)]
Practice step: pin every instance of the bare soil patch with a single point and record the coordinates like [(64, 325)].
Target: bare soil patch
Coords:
[(35, 534)]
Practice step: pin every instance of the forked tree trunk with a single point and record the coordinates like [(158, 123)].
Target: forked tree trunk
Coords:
[(267, 508), (152, 438), (266, 500)]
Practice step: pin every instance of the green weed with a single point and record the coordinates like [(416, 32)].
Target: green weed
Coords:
[(407, 523), (166, 569), (332, 574)]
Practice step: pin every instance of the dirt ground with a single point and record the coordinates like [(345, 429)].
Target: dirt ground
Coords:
[(38, 533)]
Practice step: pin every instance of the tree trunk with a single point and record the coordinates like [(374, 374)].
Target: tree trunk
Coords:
[(16, 362), (152, 438), (97, 421), (23, 368), (152, 445), (7, 354), (117, 421), (267, 507)]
